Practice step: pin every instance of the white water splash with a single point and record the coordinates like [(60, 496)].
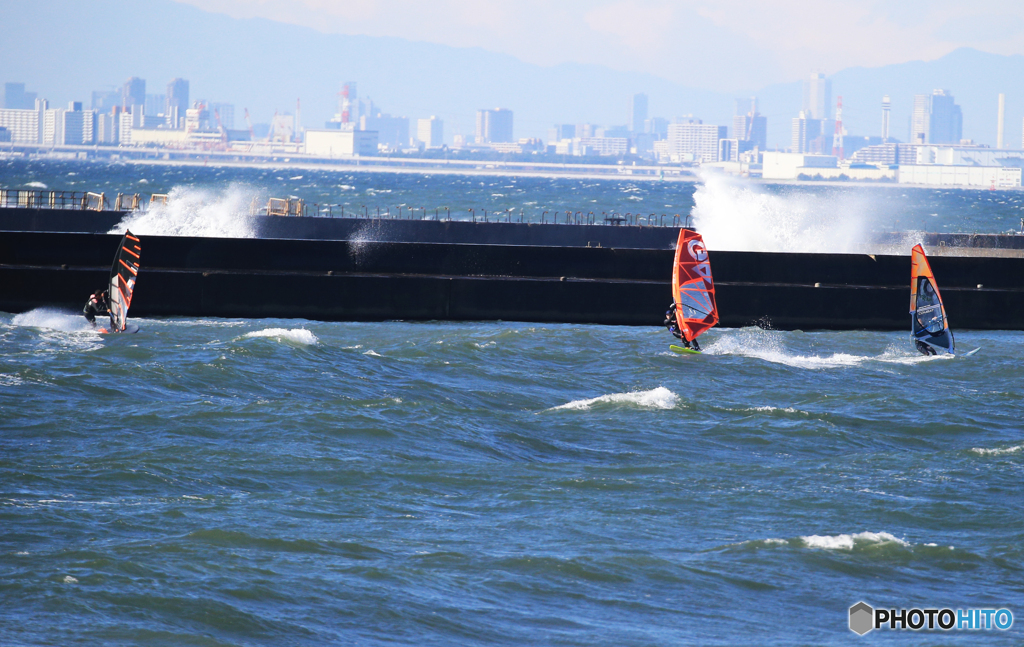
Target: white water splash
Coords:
[(740, 216), (659, 398), (299, 336), (999, 451), (768, 345), (36, 185), (51, 319), (195, 212), (848, 542)]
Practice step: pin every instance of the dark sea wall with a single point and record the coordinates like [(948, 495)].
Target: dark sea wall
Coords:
[(347, 280)]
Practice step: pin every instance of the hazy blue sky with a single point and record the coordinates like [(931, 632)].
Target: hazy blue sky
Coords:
[(715, 44)]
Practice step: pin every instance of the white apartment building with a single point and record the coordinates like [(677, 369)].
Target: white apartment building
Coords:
[(695, 140), (25, 126), (430, 132)]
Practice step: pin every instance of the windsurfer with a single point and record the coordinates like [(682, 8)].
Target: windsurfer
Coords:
[(924, 348), (96, 305), (672, 323)]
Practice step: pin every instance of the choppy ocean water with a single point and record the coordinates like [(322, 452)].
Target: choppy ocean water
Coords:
[(282, 482), (237, 482)]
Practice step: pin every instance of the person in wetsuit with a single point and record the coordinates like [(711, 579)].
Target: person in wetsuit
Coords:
[(673, 327), (924, 348), (96, 306)]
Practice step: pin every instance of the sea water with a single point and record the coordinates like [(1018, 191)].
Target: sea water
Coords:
[(272, 482)]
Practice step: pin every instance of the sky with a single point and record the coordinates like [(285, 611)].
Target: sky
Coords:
[(721, 45)]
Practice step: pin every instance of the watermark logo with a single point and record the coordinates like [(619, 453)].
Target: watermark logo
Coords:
[(864, 618)]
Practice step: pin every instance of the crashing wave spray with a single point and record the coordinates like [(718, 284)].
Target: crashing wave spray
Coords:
[(739, 216), (196, 212)]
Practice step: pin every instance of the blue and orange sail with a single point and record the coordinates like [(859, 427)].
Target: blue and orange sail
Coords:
[(693, 289), (928, 321)]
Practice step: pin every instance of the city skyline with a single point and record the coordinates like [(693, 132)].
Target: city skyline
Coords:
[(540, 97)]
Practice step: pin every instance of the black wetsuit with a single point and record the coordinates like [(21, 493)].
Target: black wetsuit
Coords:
[(924, 348), (95, 306), (673, 327)]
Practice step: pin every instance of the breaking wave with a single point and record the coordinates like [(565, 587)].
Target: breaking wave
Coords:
[(196, 212), (998, 451), (659, 398), (299, 336)]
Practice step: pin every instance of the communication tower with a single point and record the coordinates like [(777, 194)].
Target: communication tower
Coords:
[(885, 119), (837, 139)]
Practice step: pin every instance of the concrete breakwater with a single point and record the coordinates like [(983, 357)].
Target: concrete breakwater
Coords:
[(370, 280)]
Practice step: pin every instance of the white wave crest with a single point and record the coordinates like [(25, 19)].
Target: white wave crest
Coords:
[(195, 212), (52, 319), (998, 451), (848, 542), (299, 336), (36, 185), (659, 398)]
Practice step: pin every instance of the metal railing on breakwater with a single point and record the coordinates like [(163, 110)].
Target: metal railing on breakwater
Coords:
[(293, 207), (447, 214)]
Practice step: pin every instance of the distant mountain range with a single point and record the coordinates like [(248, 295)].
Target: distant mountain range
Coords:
[(65, 49)]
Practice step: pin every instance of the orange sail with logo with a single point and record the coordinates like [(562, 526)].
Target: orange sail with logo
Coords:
[(693, 289)]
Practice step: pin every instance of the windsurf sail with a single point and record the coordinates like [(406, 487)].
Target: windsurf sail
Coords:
[(122, 280), (692, 287), (928, 320)]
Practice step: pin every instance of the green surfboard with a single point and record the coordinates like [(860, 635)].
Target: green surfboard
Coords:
[(682, 350)]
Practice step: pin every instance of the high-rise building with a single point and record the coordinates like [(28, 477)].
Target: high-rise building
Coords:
[(946, 121), (133, 93), (15, 97), (919, 119), (392, 132), (177, 103), (24, 126), (885, 118), (937, 119), (693, 137), (806, 134), (78, 125), (494, 126), (657, 126), (638, 112), (156, 104), (817, 96), (751, 127), (430, 132)]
